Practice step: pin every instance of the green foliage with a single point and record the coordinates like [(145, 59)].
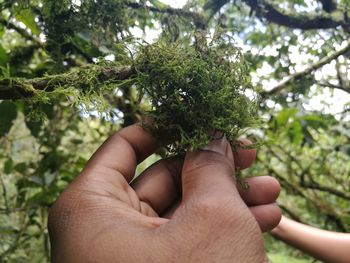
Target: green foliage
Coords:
[(280, 252), (297, 127), (66, 20), (27, 17), (281, 258), (8, 114), (195, 91), (3, 57), (84, 74)]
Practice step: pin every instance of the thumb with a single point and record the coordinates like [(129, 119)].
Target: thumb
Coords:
[(209, 172)]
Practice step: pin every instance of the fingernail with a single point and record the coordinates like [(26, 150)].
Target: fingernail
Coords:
[(218, 144)]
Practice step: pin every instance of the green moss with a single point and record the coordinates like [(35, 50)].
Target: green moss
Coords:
[(86, 86), (195, 91)]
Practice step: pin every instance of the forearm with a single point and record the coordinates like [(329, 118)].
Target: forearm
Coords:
[(327, 246)]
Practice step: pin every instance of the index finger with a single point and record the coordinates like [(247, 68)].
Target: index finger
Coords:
[(123, 151)]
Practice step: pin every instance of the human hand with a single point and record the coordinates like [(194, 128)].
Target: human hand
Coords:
[(176, 211)]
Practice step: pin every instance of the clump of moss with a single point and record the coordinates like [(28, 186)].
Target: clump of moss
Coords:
[(195, 91)]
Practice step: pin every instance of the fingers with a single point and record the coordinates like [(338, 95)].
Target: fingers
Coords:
[(122, 152), (262, 190), (268, 216), (131, 145), (261, 197), (160, 184)]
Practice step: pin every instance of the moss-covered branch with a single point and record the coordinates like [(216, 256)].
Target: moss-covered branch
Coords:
[(83, 79), (193, 90)]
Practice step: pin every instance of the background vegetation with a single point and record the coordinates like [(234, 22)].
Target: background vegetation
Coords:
[(64, 89)]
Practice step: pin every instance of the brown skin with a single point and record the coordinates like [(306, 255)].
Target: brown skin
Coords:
[(176, 211)]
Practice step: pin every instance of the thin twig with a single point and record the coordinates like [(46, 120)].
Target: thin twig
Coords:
[(298, 75)]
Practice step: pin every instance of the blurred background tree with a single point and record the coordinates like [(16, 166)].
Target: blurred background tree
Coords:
[(298, 52)]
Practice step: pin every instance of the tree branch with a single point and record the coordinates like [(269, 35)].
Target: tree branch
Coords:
[(332, 86), (198, 19), (298, 75), (266, 10), (19, 88), (290, 212), (312, 184), (327, 189), (325, 209)]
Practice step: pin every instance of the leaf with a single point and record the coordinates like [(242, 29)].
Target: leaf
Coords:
[(20, 167), (2, 30), (43, 198), (77, 141), (34, 127), (8, 113), (49, 178), (295, 133), (8, 166), (314, 121), (308, 138), (345, 148), (9, 230), (300, 2), (27, 17), (48, 109), (158, 4), (4, 58), (284, 115), (36, 179), (83, 41)]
